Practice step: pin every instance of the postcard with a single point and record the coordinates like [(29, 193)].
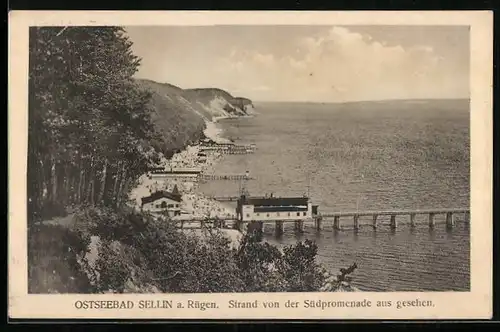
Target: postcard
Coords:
[(250, 165)]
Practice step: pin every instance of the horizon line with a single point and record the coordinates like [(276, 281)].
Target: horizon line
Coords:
[(357, 101), (238, 95)]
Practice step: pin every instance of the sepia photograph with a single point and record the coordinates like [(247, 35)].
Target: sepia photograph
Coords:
[(248, 158)]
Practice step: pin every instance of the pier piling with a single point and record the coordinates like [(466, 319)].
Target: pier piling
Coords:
[(237, 225), (394, 223), (412, 219), (336, 223), (318, 223), (279, 227), (431, 220), (356, 221), (450, 220), (299, 226), (374, 222), (260, 227)]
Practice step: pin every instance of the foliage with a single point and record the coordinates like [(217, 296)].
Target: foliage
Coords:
[(113, 270), (137, 250), (299, 267), (179, 118), (54, 260), (265, 268), (89, 122)]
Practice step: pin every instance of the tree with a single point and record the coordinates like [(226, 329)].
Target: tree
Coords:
[(89, 122)]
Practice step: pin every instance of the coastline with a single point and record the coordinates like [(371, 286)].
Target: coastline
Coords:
[(194, 202)]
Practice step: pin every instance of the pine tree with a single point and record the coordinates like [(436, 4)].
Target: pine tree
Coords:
[(89, 123)]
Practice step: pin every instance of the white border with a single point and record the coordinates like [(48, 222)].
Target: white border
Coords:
[(447, 305)]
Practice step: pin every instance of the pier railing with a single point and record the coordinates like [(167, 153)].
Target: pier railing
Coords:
[(431, 213), (393, 212), (323, 218), (229, 149), (225, 177)]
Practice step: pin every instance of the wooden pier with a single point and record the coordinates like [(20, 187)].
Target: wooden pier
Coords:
[(431, 213), (208, 177), (322, 219), (229, 149), (237, 151)]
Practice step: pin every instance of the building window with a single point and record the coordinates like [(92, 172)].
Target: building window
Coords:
[(163, 204), (248, 215), (304, 213), (158, 205), (298, 214), (170, 206), (268, 215), (289, 214), (258, 214), (278, 214)]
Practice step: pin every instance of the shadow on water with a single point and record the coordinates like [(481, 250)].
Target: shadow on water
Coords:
[(432, 233), (299, 236), (355, 235), (336, 235), (449, 232), (413, 230)]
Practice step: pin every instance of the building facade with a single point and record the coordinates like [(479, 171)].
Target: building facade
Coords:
[(180, 177), (162, 202), (274, 208)]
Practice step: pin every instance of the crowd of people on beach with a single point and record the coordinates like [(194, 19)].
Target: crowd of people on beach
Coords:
[(194, 203)]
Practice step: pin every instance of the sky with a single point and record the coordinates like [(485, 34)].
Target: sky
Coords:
[(309, 63)]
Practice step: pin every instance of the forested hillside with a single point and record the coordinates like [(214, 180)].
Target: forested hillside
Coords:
[(93, 127), (90, 129)]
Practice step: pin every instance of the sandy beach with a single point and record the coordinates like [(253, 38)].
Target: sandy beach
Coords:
[(194, 204)]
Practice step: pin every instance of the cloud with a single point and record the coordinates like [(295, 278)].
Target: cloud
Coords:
[(342, 65)]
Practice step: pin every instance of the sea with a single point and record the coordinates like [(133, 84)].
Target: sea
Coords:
[(383, 155)]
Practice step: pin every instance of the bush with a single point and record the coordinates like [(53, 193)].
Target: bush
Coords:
[(112, 267), (54, 260), (138, 253), (265, 268)]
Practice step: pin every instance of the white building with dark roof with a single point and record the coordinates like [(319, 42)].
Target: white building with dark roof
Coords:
[(274, 208), (161, 202)]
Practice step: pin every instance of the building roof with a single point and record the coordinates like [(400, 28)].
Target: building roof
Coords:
[(183, 172), (274, 201), (161, 194), (264, 209)]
